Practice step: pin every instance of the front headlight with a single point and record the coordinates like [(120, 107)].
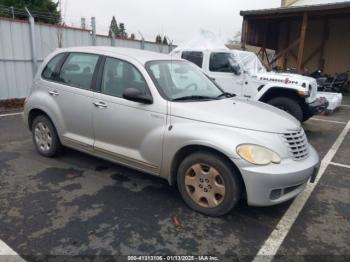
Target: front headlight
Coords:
[(258, 155)]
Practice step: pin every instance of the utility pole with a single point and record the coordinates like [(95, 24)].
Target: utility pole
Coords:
[(93, 31), (33, 44)]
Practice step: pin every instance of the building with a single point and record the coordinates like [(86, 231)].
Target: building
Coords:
[(305, 37)]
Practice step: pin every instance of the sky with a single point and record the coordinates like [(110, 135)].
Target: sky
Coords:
[(178, 19)]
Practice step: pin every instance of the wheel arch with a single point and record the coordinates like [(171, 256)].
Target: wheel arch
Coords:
[(183, 152), (276, 91), (33, 113)]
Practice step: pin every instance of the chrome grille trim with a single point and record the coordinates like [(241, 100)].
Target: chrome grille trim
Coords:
[(297, 144)]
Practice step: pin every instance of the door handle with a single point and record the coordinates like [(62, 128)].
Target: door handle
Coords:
[(100, 105), (54, 93)]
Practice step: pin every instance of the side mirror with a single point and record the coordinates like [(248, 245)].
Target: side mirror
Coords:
[(133, 94)]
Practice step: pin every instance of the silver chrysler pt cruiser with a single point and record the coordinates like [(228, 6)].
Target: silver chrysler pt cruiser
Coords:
[(163, 116)]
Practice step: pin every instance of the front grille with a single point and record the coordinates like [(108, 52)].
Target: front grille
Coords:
[(297, 144)]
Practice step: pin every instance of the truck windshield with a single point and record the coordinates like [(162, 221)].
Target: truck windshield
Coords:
[(183, 81)]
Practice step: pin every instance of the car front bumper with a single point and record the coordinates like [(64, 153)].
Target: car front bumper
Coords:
[(277, 183)]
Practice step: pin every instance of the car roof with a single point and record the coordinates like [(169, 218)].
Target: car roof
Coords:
[(142, 56)]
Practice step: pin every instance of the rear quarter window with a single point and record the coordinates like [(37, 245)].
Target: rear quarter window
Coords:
[(51, 71)]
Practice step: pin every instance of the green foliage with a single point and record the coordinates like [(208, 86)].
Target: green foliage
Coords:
[(45, 11), (158, 39), (113, 28), (118, 30), (165, 40)]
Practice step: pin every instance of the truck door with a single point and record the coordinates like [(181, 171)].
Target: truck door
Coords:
[(226, 72)]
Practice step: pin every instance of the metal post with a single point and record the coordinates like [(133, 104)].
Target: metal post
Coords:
[(33, 41), (142, 42), (112, 38), (93, 32), (83, 23), (13, 12)]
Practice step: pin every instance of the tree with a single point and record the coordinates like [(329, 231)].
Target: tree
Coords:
[(113, 28), (122, 31), (45, 11), (165, 40), (158, 39)]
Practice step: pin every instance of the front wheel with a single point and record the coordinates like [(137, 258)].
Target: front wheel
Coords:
[(288, 105), (208, 183)]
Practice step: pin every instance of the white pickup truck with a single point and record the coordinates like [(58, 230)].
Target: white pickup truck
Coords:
[(242, 73)]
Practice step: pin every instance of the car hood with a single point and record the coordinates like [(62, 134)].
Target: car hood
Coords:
[(237, 113)]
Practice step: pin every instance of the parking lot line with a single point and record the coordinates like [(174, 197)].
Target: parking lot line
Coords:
[(8, 254), (11, 114), (338, 164), (272, 244), (329, 121)]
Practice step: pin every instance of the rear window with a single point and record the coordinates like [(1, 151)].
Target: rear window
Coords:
[(50, 71), (194, 57)]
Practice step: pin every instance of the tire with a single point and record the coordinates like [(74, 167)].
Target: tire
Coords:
[(216, 196), (288, 105), (45, 137)]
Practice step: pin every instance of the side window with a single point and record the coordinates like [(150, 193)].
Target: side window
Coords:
[(194, 57), (221, 62), (118, 76), (49, 72), (78, 70)]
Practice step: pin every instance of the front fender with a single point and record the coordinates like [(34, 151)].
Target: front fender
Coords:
[(186, 132), (268, 89)]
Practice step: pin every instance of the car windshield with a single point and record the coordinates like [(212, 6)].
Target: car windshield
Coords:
[(180, 80)]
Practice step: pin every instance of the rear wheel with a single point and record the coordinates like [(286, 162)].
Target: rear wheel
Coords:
[(289, 105), (208, 184), (45, 137)]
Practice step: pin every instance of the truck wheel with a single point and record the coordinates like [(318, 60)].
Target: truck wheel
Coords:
[(208, 184), (45, 137), (289, 105)]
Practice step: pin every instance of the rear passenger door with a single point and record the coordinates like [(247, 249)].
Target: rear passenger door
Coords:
[(73, 96)]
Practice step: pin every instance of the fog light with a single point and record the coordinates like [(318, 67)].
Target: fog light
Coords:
[(275, 194)]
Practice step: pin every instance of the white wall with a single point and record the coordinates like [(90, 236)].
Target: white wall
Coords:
[(16, 62)]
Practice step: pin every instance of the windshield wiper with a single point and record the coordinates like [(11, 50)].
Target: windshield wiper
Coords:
[(194, 97), (226, 94)]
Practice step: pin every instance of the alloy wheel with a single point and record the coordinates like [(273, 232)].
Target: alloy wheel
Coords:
[(43, 136)]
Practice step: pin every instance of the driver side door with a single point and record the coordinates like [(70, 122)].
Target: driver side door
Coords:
[(128, 132), (220, 70)]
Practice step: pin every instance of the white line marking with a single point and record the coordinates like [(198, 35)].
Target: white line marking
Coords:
[(11, 114), (338, 164), (273, 242), (8, 254), (330, 121), (345, 105)]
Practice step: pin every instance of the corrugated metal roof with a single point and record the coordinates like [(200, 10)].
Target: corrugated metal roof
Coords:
[(297, 9)]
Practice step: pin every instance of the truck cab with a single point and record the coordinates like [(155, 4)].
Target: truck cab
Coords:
[(242, 73)]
